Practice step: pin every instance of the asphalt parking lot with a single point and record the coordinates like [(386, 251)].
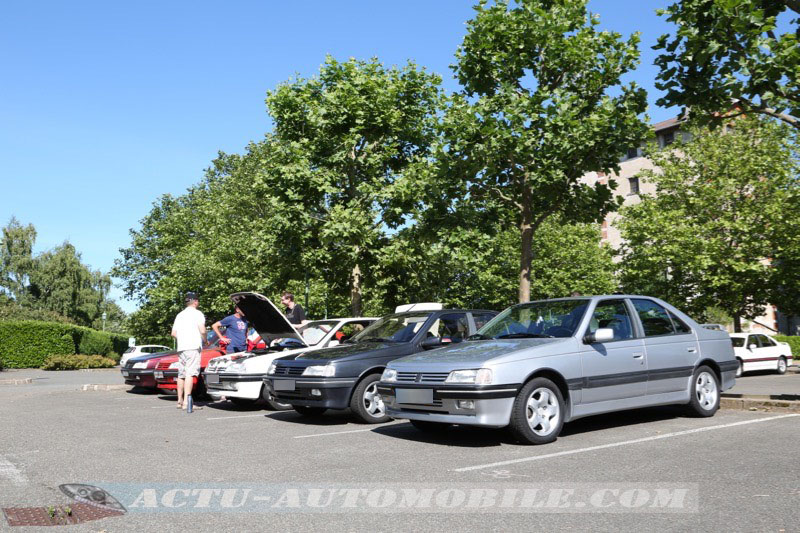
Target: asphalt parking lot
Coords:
[(226, 468)]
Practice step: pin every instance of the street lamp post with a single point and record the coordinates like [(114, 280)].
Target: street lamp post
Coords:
[(104, 320)]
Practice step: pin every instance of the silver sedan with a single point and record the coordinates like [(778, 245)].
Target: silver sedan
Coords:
[(540, 364)]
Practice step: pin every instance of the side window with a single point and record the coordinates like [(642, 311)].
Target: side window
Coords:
[(766, 342), (738, 342), (655, 319), (614, 315), (680, 325), (753, 340), (481, 319), (451, 327)]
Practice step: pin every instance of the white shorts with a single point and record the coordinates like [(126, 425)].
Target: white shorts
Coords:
[(188, 364)]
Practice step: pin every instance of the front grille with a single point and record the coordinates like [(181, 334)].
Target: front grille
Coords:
[(436, 403), (163, 365), (289, 371), (422, 377)]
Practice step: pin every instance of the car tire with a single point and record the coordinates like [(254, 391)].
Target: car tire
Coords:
[(739, 368), (243, 402), (704, 393), (272, 403), (782, 365), (430, 427), (309, 411), (538, 405), (365, 402)]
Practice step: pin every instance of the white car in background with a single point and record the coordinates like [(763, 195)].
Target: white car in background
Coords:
[(144, 349), (755, 351), (239, 376)]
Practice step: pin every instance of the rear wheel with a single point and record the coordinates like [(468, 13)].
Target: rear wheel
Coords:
[(705, 393), (782, 365), (309, 411), (366, 403), (538, 413), (430, 427)]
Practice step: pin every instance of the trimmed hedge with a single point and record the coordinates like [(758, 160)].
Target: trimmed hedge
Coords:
[(28, 343), (74, 362), (793, 341)]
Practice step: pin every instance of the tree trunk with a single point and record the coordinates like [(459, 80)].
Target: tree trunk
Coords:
[(737, 324), (355, 291), (526, 234)]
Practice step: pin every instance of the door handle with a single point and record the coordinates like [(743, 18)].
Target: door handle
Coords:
[(691, 350), (638, 355)]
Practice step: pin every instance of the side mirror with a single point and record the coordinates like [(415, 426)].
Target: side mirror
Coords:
[(600, 335), (430, 343), (752, 347)]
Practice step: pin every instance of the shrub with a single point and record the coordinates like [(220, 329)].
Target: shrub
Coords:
[(793, 341), (93, 342), (114, 356), (74, 362)]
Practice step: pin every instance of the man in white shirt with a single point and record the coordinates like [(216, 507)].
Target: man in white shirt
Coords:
[(189, 329)]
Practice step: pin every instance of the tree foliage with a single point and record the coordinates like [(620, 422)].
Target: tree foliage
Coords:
[(724, 215), (726, 50), (543, 104)]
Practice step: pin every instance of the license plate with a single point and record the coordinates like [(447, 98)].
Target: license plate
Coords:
[(159, 375), (124, 373), (283, 384), (212, 378), (416, 396)]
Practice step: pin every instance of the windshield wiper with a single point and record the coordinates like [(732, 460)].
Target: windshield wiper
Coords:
[(478, 337), (525, 336)]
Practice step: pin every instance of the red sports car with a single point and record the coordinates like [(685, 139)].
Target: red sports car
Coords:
[(166, 368)]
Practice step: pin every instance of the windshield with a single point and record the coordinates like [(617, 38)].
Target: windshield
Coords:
[(548, 318), (400, 327), (314, 332)]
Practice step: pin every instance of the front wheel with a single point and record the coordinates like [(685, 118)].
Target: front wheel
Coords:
[(272, 403), (782, 365), (366, 403), (705, 393), (739, 368), (538, 413), (243, 402)]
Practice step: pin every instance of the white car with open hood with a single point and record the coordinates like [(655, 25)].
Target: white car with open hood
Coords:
[(239, 376)]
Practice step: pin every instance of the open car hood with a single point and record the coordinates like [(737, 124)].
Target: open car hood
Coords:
[(267, 319)]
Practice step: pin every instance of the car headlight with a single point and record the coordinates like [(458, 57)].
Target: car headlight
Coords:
[(272, 368), (236, 367), (478, 376), (174, 365), (140, 365), (390, 374), (326, 371)]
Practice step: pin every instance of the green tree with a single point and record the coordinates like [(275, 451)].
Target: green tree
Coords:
[(16, 259), (543, 104), (726, 206), (359, 125), (726, 50)]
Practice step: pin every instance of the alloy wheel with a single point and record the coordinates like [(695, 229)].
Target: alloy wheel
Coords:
[(542, 411)]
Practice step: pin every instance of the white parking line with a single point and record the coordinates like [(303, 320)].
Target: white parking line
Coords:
[(236, 416), (11, 472), (623, 443), (342, 432)]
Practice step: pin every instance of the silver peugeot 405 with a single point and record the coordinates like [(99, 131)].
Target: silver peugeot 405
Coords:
[(540, 364)]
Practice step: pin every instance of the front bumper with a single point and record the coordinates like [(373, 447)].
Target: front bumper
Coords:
[(233, 385), (334, 393), (139, 377), (492, 404), (168, 379)]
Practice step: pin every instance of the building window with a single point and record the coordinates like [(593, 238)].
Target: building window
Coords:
[(667, 139), (632, 152), (634, 185)]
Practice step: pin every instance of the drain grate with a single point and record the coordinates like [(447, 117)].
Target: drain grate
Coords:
[(41, 516)]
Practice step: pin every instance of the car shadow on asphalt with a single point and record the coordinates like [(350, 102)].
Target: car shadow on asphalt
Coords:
[(142, 391), (326, 419), (477, 437)]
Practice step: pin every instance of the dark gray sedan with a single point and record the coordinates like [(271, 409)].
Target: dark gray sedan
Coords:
[(540, 364)]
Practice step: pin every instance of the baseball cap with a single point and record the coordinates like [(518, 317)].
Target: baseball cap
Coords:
[(191, 296)]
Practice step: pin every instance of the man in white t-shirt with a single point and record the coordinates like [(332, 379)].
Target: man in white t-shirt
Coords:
[(189, 329)]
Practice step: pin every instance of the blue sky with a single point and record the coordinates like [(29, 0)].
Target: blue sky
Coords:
[(104, 106)]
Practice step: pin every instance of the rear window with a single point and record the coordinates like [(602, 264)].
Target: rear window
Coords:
[(129, 350)]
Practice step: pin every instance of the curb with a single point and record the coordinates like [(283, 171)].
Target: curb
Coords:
[(104, 387), (21, 381), (789, 403)]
